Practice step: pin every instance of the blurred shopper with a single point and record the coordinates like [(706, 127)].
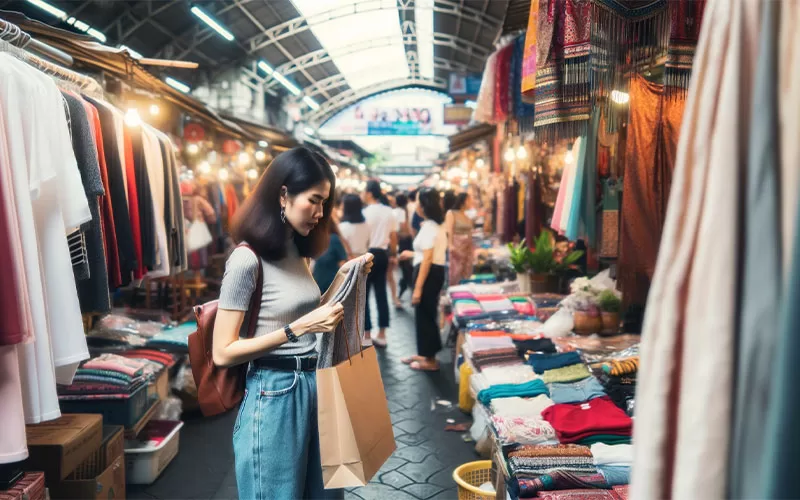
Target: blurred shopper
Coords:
[(353, 227), (459, 239), (404, 242), (383, 245)]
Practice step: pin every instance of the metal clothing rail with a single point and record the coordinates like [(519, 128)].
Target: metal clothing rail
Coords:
[(12, 34)]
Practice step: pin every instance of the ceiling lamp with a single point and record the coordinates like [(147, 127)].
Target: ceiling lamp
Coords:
[(223, 174), (212, 23), (279, 77), (311, 103), (204, 167), (620, 97), (522, 152), (252, 174), (244, 158), (263, 144), (192, 149), (132, 118), (509, 154), (260, 155), (177, 85), (480, 163), (154, 110)]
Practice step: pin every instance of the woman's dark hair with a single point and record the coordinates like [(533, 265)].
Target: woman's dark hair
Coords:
[(412, 195), (429, 200), (461, 198), (374, 188), (401, 200), (258, 220), (352, 207), (449, 200)]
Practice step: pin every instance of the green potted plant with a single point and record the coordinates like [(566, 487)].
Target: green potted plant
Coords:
[(610, 306), (546, 267), (520, 259)]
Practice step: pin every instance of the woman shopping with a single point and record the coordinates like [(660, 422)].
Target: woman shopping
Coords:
[(430, 247), (459, 239), (284, 222)]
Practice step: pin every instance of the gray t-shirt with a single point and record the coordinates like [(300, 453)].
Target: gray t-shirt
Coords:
[(289, 292)]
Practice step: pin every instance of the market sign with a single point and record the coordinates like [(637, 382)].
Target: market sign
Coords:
[(457, 114), (464, 85)]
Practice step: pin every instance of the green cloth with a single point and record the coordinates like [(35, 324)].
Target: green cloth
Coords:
[(604, 438), (529, 389), (569, 373)]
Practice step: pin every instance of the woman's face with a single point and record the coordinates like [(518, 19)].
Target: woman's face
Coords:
[(304, 210), (468, 204)]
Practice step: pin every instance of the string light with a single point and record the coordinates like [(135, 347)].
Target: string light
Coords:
[(132, 118), (568, 157), (154, 110), (252, 174), (223, 174), (204, 167), (260, 155), (473, 175), (193, 149), (522, 153), (362, 167), (509, 155), (244, 158), (480, 163)]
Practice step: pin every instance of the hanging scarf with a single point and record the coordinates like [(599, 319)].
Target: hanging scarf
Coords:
[(626, 35), (686, 18), (562, 79), (529, 57), (523, 112), (502, 83), (484, 108)]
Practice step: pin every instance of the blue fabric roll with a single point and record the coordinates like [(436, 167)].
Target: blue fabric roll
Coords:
[(527, 390)]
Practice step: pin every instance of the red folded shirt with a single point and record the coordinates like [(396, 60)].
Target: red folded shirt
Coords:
[(573, 422)]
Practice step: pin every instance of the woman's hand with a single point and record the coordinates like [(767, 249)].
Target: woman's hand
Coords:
[(416, 298), (321, 320), (367, 266), (406, 255)]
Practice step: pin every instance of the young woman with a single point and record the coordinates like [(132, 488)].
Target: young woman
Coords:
[(353, 226), (428, 256), (285, 222), (459, 239), (404, 242)]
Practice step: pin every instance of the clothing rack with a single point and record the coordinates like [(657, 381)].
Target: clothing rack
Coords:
[(12, 34)]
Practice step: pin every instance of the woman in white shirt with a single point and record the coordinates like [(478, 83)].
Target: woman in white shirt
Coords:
[(430, 247), (353, 226)]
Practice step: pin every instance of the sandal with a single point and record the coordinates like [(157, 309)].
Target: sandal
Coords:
[(411, 359), (379, 342), (417, 366)]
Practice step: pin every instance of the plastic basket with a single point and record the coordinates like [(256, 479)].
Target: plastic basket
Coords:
[(156, 446), (470, 476)]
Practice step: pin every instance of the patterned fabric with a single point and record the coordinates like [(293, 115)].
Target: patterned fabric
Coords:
[(560, 480), (686, 17), (609, 237), (523, 111), (531, 466), (555, 450), (523, 430), (502, 83), (619, 367), (484, 107), (529, 57)]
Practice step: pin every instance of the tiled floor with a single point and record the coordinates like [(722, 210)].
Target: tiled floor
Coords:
[(421, 468)]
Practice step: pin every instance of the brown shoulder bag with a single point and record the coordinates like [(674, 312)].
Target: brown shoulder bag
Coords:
[(220, 389)]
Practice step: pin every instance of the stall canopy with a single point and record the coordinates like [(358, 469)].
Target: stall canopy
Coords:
[(471, 135)]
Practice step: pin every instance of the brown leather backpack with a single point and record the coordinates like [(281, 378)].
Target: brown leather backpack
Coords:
[(220, 389)]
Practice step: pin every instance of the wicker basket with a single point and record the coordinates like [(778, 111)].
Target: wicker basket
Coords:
[(470, 476)]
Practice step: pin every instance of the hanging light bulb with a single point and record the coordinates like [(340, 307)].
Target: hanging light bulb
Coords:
[(480, 163), (154, 110), (192, 148), (244, 158), (260, 155), (263, 144), (252, 174), (522, 152), (362, 167), (204, 167), (473, 175), (132, 118), (509, 155), (568, 157), (223, 174), (620, 97)]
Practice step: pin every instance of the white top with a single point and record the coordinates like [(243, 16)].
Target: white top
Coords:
[(400, 216), (50, 201), (154, 163), (381, 223), (356, 235), (411, 208), (431, 235)]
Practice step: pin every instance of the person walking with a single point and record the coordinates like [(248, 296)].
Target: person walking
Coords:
[(383, 245), (353, 226), (404, 242), (459, 239), (284, 222), (327, 265), (428, 257)]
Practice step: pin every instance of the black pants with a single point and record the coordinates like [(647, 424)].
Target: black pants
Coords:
[(426, 313), (377, 280), (406, 268)]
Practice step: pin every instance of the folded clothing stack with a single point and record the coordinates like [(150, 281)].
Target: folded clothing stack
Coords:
[(523, 304), (543, 467), (106, 377), (496, 357), (576, 423), (174, 339), (521, 407), (529, 389), (513, 374), (165, 359), (523, 430), (467, 308), (477, 342), (621, 390), (615, 493), (569, 373), (535, 346), (544, 362), (576, 392), (613, 462), (496, 304)]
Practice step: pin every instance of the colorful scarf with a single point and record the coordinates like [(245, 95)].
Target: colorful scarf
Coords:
[(484, 107), (561, 90), (523, 112), (502, 83), (686, 17), (529, 56), (561, 480)]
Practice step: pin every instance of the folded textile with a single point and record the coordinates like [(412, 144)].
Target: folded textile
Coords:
[(550, 450), (515, 374), (561, 480), (495, 303), (576, 392), (616, 454), (478, 382), (534, 466), (535, 345), (461, 295), (544, 362), (583, 494), (569, 373), (573, 422), (521, 407), (619, 367), (621, 390), (604, 438), (522, 304), (615, 475), (497, 356), (166, 359), (528, 389), (523, 430), (483, 343), (113, 362)]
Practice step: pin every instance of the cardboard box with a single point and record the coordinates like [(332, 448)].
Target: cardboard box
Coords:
[(108, 485), (30, 487), (113, 445), (160, 386), (59, 446)]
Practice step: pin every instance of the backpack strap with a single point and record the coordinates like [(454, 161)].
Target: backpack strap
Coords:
[(255, 299)]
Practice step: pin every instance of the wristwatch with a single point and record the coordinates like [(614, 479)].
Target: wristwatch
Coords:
[(290, 334)]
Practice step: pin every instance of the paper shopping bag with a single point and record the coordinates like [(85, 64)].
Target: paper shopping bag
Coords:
[(355, 430)]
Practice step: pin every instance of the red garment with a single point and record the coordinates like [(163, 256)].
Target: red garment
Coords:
[(502, 83), (573, 422), (133, 206), (107, 211), (231, 201)]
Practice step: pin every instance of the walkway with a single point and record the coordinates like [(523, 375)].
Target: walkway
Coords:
[(421, 468)]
